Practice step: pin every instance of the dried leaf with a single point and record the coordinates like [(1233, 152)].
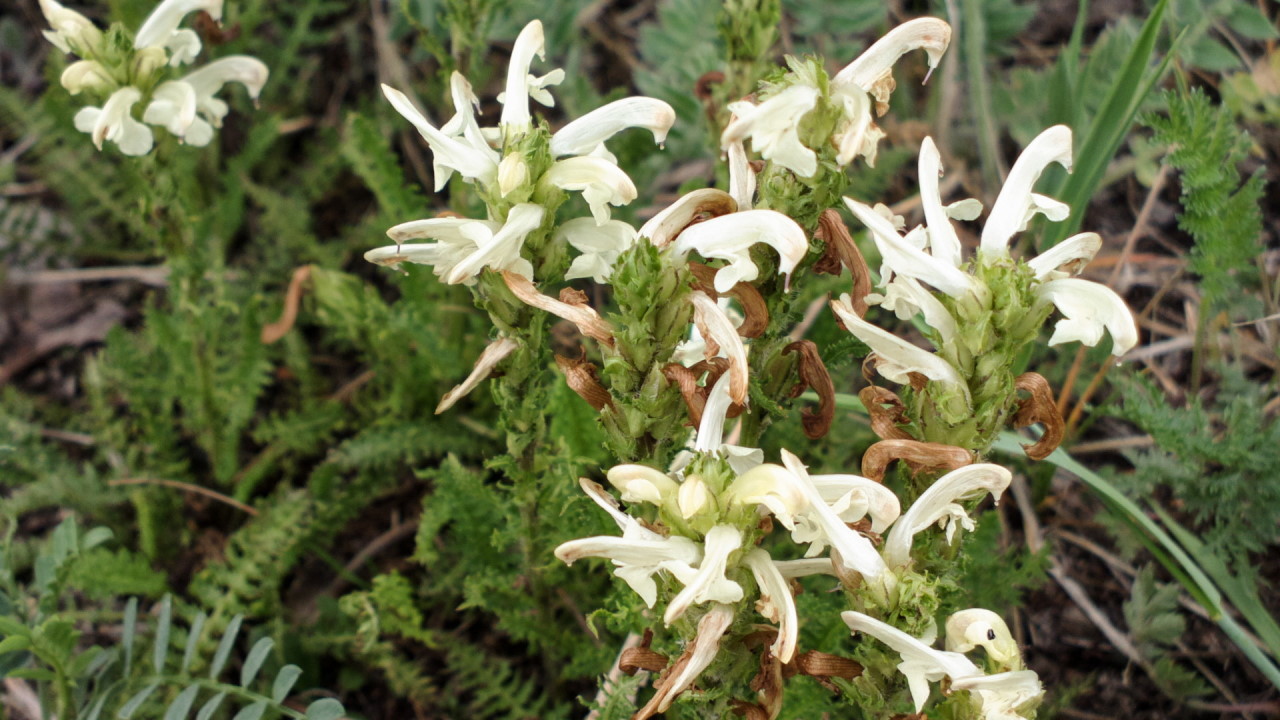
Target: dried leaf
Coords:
[(719, 334), (271, 332), (813, 374), (635, 659), (754, 309), (696, 657), (820, 664), (1039, 408), (918, 455)]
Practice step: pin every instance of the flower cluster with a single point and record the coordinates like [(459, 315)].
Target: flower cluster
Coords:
[(702, 547), (521, 172), (129, 69)]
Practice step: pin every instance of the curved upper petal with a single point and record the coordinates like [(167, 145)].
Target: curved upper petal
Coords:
[(941, 502), (904, 259), (730, 237), (601, 183), (773, 126), (173, 105), (776, 603), (929, 34), (1009, 214), (1073, 254), (921, 664), (898, 358), (709, 584), (585, 134), (164, 20), (944, 244), (450, 153), (515, 101)]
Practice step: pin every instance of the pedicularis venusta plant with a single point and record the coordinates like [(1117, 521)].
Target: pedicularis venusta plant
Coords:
[(692, 357)]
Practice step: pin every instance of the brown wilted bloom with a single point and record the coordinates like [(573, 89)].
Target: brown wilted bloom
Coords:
[(492, 355), (918, 455), (842, 250), (571, 306), (641, 657), (581, 377), (720, 335), (754, 309), (271, 332), (1039, 408), (886, 422), (679, 676), (813, 374)]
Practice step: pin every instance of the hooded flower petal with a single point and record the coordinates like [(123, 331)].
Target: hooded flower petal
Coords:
[(114, 122), (173, 105), (1016, 203), (458, 238), (857, 133), (906, 297), (944, 244), (601, 183), (71, 32), (693, 206), (162, 23), (773, 487), (449, 153), (709, 584), (897, 357), (600, 246), (515, 101), (585, 134), (920, 663), (774, 126), (776, 603), (463, 123), (872, 66), (904, 259), (1072, 254), (1088, 309), (941, 504), (208, 80), (711, 430), (853, 497), (970, 628), (641, 483), (730, 237), (86, 75)]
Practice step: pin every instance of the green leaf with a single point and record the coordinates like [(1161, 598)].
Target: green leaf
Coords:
[(253, 663), (325, 709), (224, 647), (136, 701), (181, 705), (130, 629), (95, 711), (1249, 21), (252, 712), (14, 643), (41, 674), (163, 626), (210, 706), (193, 640), (285, 679)]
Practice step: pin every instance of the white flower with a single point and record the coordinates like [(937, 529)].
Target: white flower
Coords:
[(71, 32), (601, 183), (600, 246), (697, 656), (1004, 696), (449, 153), (708, 583), (188, 108), (114, 121), (730, 237), (742, 179), (776, 602), (639, 554), (853, 497), (493, 354), (970, 628), (86, 75), (921, 664), (663, 228), (941, 504), (587, 134), (173, 105), (1089, 308), (897, 357), (774, 126), (465, 246), (520, 84), (721, 338), (161, 28), (641, 483)]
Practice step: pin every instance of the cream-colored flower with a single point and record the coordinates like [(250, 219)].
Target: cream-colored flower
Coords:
[(601, 183), (898, 359), (449, 154), (941, 504), (71, 32), (776, 602), (114, 121), (730, 237), (586, 135), (709, 583), (599, 245), (970, 628), (774, 127)]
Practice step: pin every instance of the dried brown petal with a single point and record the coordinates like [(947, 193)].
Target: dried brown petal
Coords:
[(886, 422), (581, 377), (750, 711), (754, 309), (696, 657), (842, 250), (687, 380), (820, 664), (575, 310), (813, 374), (271, 332), (1039, 408), (917, 454), (720, 335), (492, 355), (635, 659), (768, 684), (702, 88), (690, 209)]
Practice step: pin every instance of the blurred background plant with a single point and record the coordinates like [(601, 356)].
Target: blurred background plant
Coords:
[(243, 423)]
